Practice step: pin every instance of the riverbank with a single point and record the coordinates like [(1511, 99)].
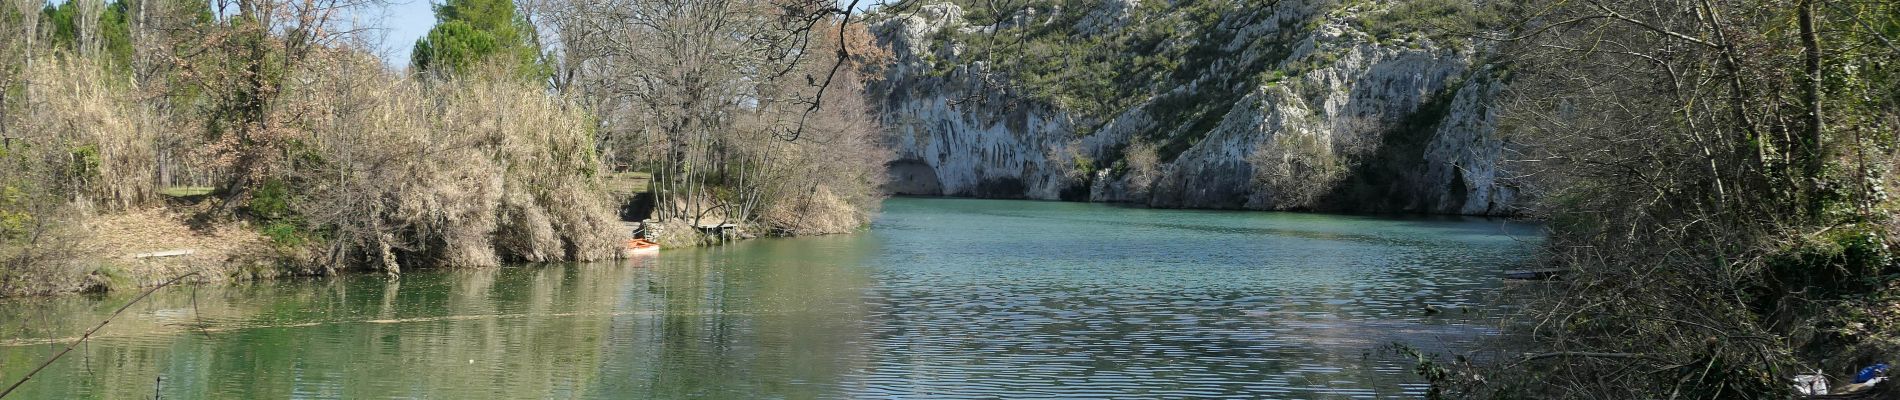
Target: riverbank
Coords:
[(147, 247), (941, 298)]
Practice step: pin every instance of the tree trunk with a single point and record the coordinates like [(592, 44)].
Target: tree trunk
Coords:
[(1813, 157)]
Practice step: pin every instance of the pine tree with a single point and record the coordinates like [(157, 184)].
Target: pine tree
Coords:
[(469, 33)]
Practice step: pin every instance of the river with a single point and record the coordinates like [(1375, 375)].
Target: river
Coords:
[(942, 298)]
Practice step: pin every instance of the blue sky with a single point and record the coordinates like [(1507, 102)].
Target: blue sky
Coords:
[(404, 21), (401, 22), (398, 25)]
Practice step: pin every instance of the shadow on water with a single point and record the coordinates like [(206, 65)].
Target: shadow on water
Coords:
[(1283, 224)]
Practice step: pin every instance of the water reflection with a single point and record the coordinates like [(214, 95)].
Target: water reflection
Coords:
[(710, 324), (944, 299)]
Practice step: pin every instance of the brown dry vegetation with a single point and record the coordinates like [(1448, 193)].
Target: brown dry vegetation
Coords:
[(1144, 167), (743, 111), (74, 105), (464, 173), (1715, 176), (113, 245), (830, 177), (387, 172), (76, 146), (338, 162), (80, 198)]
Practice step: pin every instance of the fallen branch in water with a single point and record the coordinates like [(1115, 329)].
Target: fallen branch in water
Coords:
[(88, 335)]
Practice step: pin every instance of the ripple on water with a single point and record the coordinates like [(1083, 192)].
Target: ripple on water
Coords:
[(943, 299)]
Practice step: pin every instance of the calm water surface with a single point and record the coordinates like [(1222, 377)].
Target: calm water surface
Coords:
[(942, 299)]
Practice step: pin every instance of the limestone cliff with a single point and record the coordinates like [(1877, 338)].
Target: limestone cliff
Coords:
[(1316, 105)]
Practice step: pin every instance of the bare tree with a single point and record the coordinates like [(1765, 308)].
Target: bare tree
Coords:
[(240, 59), (1696, 189), (700, 91), (17, 47)]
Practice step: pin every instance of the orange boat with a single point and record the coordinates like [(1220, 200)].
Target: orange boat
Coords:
[(641, 247)]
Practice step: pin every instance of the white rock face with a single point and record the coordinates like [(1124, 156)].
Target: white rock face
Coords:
[(1355, 126), (972, 141), (1466, 152), (1106, 17)]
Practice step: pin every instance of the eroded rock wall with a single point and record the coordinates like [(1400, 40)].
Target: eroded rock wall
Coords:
[(1343, 122)]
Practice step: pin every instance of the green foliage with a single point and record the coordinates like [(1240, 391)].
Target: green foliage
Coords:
[(1095, 75), (271, 201), (285, 234), (470, 33), (61, 18), (113, 277), (85, 162), (486, 15), (115, 37), (1440, 20), (273, 204), (15, 215), (1837, 278), (454, 46), (1845, 260), (1084, 165)]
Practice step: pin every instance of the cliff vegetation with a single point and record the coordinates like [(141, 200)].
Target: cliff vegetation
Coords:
[(1281, 105)]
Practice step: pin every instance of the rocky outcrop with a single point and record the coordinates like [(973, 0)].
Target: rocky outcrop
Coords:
[(1300, 111), (953, 135)]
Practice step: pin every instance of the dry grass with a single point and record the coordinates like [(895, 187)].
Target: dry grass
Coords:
[(817, 213), (387, 172), (78, 145), (628, 183), (103, 253), (229, 251), (459, 174), (186, 191), (87, 126), (122, 235)]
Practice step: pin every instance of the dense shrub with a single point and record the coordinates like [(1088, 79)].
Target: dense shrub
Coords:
[(1143, 167), (468, 172), (1721, 236), (77, 144)]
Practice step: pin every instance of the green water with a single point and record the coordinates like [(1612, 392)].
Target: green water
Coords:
[(942, 299)]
